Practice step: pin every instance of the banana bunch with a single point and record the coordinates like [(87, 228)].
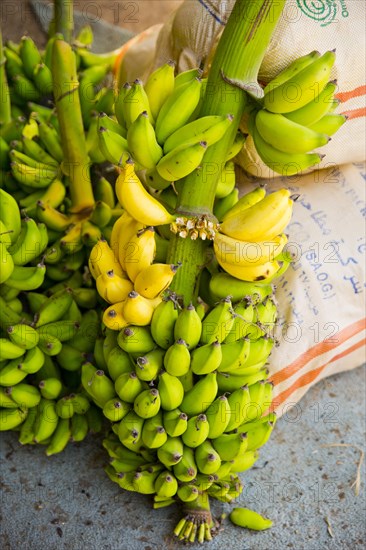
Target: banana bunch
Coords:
[(126, 276), (250, 243), (297, 115), (29, 75), (44, 341), (156, 126), (188, 399)]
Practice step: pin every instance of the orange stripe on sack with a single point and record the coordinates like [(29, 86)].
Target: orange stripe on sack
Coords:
[(357, 92), (318, 349), (123, 50), (355, 113), (311, 376)]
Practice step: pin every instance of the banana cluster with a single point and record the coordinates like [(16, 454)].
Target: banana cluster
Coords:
[(156, 133), (188, 399), (296, 117), (44, 341), (29, 75), (126, 275), (250, 243)]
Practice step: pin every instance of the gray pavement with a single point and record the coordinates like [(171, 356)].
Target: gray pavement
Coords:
[(67, 501)]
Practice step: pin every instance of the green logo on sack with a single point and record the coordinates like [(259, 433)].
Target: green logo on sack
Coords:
[(324, 11)]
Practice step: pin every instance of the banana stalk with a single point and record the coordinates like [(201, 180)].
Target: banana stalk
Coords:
[(64, 18), (76, 161), (232, 78), (5, 113)]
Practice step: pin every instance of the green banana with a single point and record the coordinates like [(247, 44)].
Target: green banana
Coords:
[(153, 432), (206, 358), (130, 431), (188, 326), (115, 409), (25, 395), (142, 143), (186, 469), (171, 391), (23, 335), (218, 416), (60, 437), (177, 358), (181, 161), (54, 308), (159, 87), (199, 398), (175, 422), (147, 403), (50, 388), (134, 339), (197, 431), (292, 70), (11, 418), (177, 109), (149, 365), (163, 322), (329, 124), (316, 109), (207, 458), (218, 322), (46, 420), (128, 386), (243, 517), (171, 452), (230, 445), (280, 99), (26, 433)]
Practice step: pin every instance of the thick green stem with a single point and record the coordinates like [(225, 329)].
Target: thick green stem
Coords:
[(5, 112), (64, 18), (238, 57), (76, 162)]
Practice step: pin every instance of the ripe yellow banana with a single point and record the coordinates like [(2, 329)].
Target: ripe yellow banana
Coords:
[(244, 253), (137, 201), (263, 221)]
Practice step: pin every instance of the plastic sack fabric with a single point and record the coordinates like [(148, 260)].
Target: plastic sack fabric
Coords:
[(322, 325)]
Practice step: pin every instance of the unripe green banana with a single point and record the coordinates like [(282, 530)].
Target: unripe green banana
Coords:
[(243, 517), (206, 358), (207, 459), (196, 432), (199, 398), (46, 421), (177, 109), (239, 401), (50, 388), (65, 407), (223, 284), (142, 143), (244, 461), (259, 434), (234, 355), (23, 335), (135, 102), (130, 430), (26, 433), (171, 452), (25, 395), (166, 485), (224, 205), (147, 403), (95, 420), (11, 374), (229, 382), (175, 422), (60, 437), (230, 445), (50, 345), (149, 365), (218, 323), (181, 161), (11, 418), (62, 330), (163, 321), (188, 493), (188, 326), (218, 416), (118, 361), (70, 358), (9, 350), (115, 409), (54, 308), (135, 339), (79, 427), (208, 128), (113, 146), (153, 432), (329, 123), (260, 399), (97, 384), (29, 54), (159, 87), (243, 325), (128, 386), (5, 399), (177, 358), (171, 391), (186, 469), (316, 109)]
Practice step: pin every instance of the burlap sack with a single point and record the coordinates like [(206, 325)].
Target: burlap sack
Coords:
[(322, 295)]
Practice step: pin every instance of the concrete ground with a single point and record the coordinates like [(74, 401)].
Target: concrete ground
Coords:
[(300, 482)]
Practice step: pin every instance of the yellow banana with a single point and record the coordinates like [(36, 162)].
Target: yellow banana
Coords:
[(154, 279), (244, 253), (137, 201)]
